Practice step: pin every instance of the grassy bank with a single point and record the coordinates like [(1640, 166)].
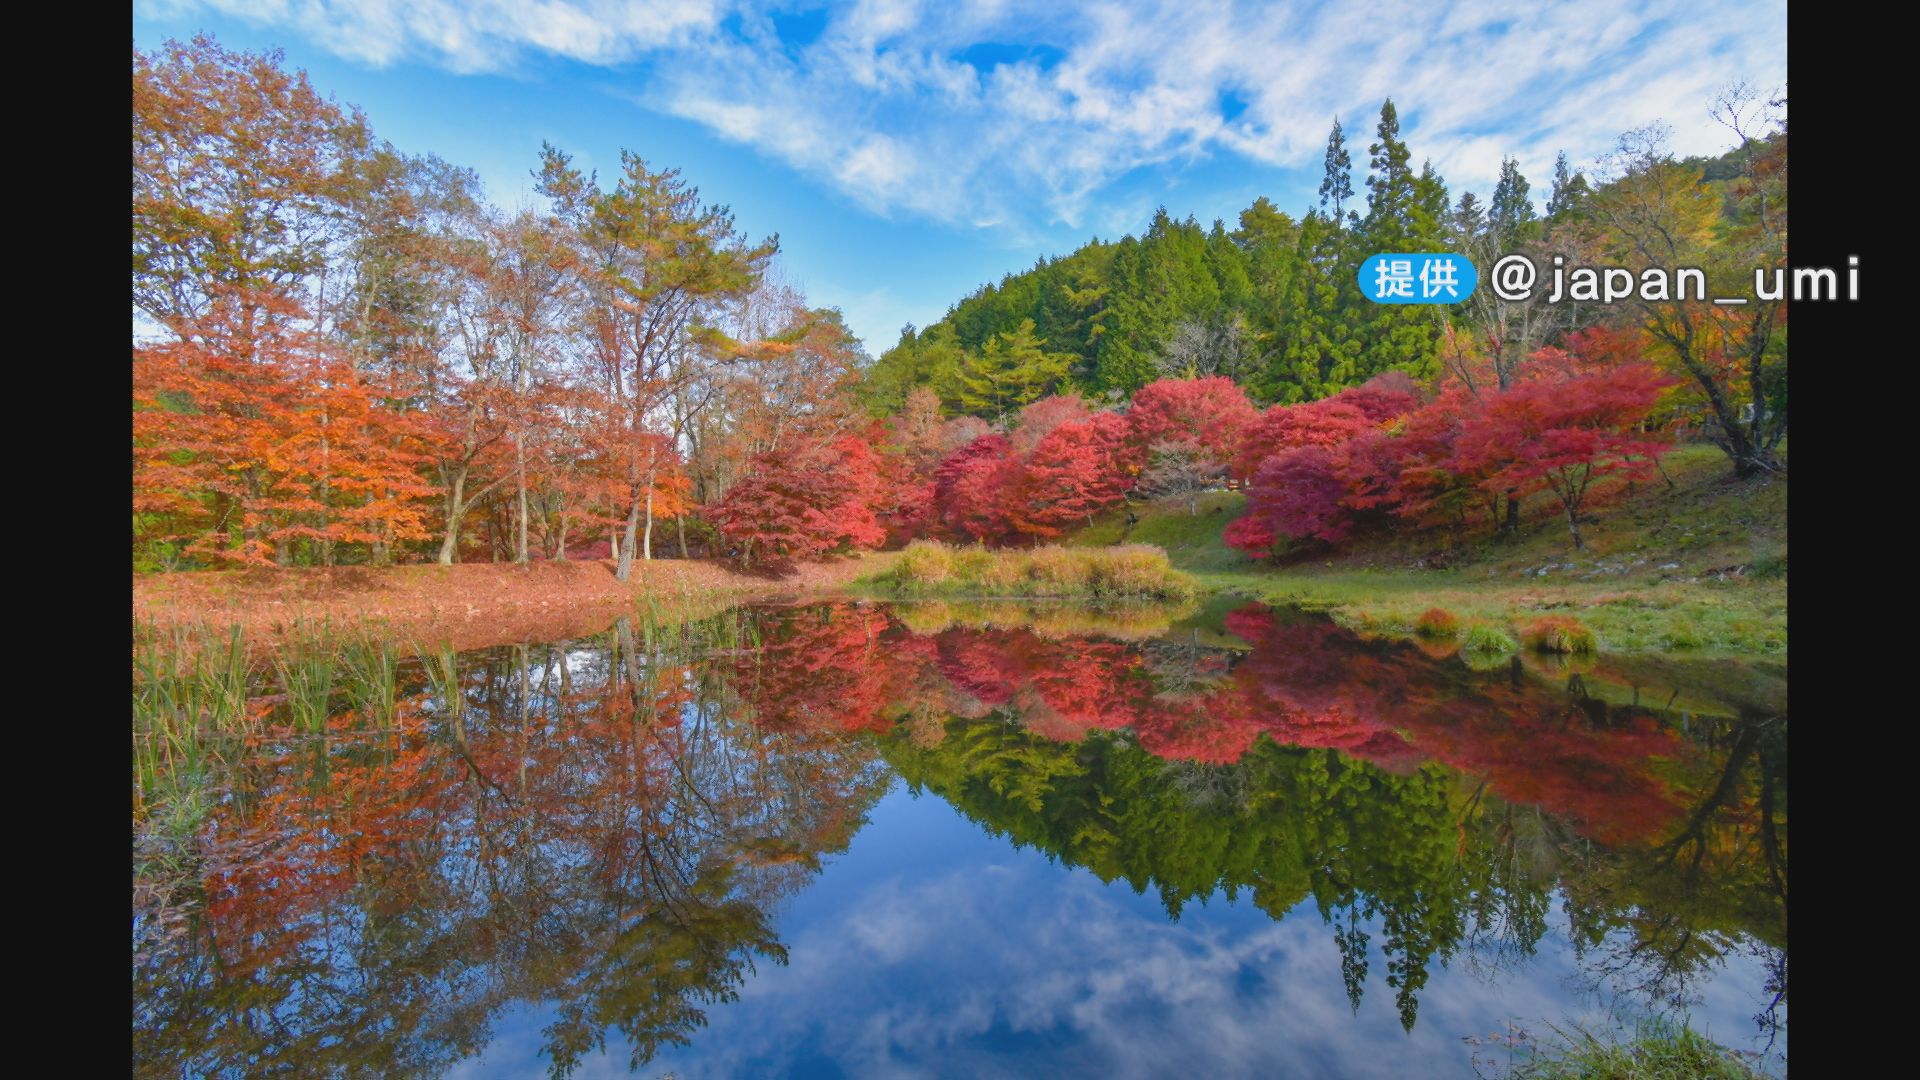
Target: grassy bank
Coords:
[(1127, 572), (1698, 564), (469, 605)]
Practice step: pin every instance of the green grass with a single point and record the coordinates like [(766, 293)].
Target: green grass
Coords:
[(1488, 640), (1698, 567), (1128, 572), (1657, 1051), (1191, 541)]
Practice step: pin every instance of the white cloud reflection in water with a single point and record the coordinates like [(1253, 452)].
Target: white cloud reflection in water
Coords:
[(933, 949)]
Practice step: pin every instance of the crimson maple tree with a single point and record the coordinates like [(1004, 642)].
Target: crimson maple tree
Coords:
[(1563, 436), (1072, 474), (968, 487), (1212, 413), (803, 501)]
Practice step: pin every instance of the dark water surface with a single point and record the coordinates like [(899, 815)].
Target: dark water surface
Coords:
[(848, 839)]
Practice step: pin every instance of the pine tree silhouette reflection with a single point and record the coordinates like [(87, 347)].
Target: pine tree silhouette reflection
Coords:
[(607, 826)]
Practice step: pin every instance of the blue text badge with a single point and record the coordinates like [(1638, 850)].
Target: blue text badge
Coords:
[(1430, 278)]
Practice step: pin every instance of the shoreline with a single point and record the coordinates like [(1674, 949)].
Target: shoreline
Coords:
[(466, 605), (477, 605)]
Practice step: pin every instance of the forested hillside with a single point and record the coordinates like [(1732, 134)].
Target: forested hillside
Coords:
[(1272, 302), (345, 354)]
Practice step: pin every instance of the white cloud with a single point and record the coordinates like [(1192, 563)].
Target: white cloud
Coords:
[(475, 35), (895, 107)]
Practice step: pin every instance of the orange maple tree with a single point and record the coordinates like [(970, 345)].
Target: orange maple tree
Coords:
[(250, 436)]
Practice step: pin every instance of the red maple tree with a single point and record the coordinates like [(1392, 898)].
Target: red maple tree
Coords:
[(1563, 436), (1212, 412), (803, 501), (1072, 474)]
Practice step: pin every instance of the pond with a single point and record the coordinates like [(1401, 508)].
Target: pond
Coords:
[(857, 839)]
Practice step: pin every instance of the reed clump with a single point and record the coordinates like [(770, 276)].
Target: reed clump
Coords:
[(1437, 623), (1129, 572), (1486, 639), (1559, 634)]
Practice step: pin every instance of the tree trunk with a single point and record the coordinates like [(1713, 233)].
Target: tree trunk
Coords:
[(1512, 524), (450, 541), (1751, 460), (646, 541), (680, 524), (520, 492), (623, 569)]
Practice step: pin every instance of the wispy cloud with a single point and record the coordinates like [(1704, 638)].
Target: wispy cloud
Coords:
[(476, 35), (1020, 113)]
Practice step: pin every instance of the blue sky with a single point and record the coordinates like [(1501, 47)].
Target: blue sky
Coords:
[(908, 152)]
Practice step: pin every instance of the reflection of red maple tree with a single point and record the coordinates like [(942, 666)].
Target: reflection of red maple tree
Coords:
[(1304, 683)]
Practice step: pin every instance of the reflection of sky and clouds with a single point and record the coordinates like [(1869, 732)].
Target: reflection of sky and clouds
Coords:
[(607, 841), (931, 948)]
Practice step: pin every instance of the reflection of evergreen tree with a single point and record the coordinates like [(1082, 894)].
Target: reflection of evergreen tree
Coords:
[(1440, 866), (605, 826), (651, 979), (1364, 844)]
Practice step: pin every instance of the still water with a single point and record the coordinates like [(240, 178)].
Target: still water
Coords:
[(853, 839)]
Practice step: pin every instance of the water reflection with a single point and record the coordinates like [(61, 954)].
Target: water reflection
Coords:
[(607, 831)]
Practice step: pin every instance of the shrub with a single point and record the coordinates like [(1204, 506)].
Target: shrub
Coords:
[(969, 564), (1056, 571), (1139, 571), (924, 564), (1559, 634), (1437, 623), (999, 575), (1129, 572)]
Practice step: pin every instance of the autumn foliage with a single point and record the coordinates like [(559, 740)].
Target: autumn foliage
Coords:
[(247, 441), (1326, 468), (802, 502), (344, 354)]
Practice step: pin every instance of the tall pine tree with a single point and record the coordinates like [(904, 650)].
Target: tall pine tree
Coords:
[(1511, 217), (1400, 218), (1013, 371), (1570, 190), (1337, 186)]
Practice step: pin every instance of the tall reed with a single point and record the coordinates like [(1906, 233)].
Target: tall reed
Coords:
[(189, 700), (306, 669)]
